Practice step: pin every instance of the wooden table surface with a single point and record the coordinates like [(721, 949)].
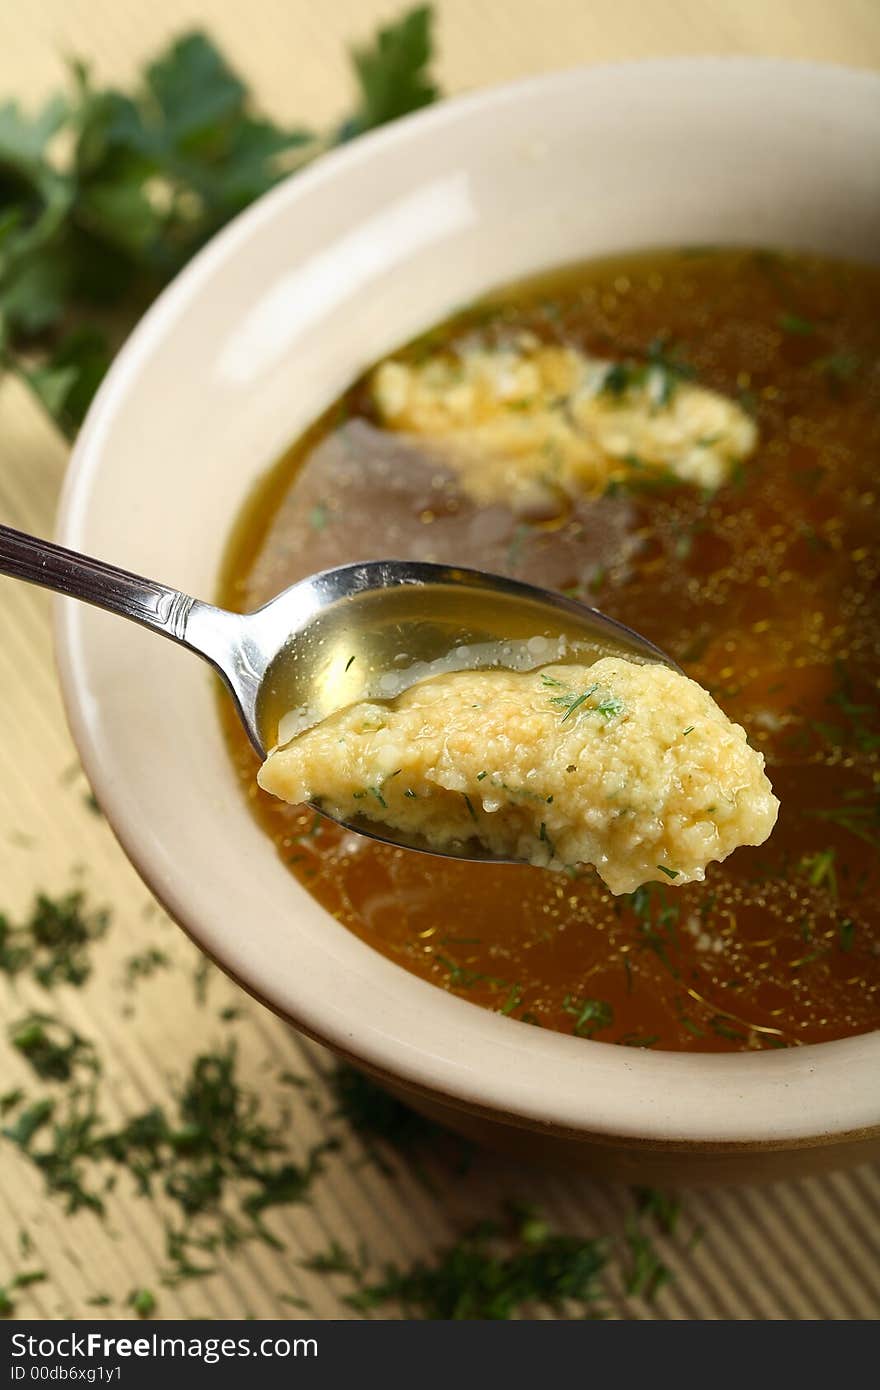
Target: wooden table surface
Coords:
[(796, 1250)]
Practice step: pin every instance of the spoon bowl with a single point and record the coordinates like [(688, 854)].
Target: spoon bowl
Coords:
[(360, 631)]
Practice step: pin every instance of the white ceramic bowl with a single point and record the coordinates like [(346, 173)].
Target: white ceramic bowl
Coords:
[(276, 317)]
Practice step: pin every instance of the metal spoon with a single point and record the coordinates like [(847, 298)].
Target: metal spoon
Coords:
[(297, 641)]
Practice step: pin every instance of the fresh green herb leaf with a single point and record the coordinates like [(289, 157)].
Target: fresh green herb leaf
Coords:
[(392, 72), (105, 195)]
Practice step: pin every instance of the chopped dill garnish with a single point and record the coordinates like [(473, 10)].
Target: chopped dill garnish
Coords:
[(670, 873), (374, 791), (459, 976), (201, 980), (52, 944), (838, 368), (846, 934), (664, 1207), (820, 870), (722, 1027), (469, 804), (143, 1301), (809, 959), (481, 775), (619, 377), (861, 717), (590, 1015), (647, 1273), (546, 839), (319, 516), (334, 1260), (51, 1047), (377, 1117), (570, 702), (294, 1301), (793, 323), (216, 1147), (689, 730), (517, 543), (657, 922), (144, 964), (350, 662), (576, 704), (690, 1027), (513, 1000), (24, 1280), (494, 1271), (410, 793), (860, 816), (610, 706)]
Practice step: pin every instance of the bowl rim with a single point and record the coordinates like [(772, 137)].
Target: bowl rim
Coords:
[(790, 1076)]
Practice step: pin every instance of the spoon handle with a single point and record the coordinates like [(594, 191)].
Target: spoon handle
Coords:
[(80, 576)]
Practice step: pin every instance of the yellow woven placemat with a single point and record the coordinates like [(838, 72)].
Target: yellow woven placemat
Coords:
[(797, 1250)]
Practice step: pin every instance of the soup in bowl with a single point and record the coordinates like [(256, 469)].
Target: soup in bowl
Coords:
[(661, 398)]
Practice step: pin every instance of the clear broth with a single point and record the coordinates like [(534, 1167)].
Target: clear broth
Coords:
[(765, 592)]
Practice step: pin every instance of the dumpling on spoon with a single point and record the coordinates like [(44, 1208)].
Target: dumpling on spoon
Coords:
[(631, 768)]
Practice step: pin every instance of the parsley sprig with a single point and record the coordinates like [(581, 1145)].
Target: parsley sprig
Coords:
[(106, 194)]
